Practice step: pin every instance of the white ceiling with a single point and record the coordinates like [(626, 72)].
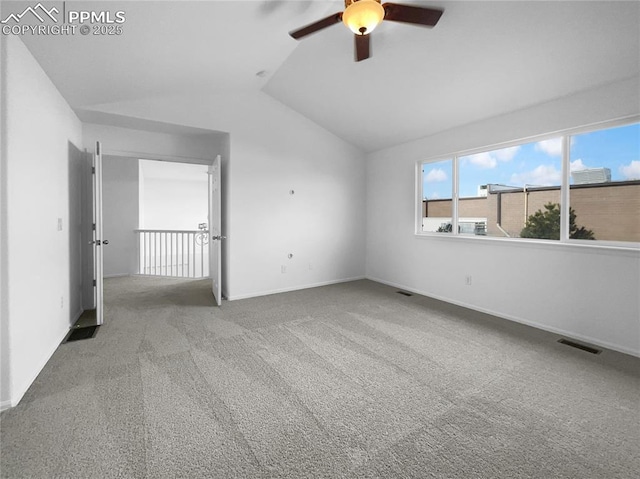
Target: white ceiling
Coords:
[(483, 59)]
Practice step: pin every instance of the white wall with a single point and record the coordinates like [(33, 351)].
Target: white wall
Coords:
[(175, 204), (119, 214), (177, 199), (588, 293), (274, 150), (39, 127)]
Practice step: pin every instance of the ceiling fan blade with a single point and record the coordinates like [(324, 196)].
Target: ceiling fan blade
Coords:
[(410, 14), (319, 25), (363, 44)]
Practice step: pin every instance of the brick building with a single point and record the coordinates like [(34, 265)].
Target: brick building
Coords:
[(611, 210)]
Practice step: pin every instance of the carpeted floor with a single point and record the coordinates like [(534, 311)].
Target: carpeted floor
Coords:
[(344, 381)]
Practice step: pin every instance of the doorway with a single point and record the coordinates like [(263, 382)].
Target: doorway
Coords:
[(156, 215), (86, 241)]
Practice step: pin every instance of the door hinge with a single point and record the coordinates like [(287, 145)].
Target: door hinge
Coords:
[(93, 227), (95, 283), (93, 170)]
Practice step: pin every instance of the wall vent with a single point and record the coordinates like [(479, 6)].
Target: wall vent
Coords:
[(404, 293), (584, 347)]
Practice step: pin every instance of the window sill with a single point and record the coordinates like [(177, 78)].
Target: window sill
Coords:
[(575, 245)]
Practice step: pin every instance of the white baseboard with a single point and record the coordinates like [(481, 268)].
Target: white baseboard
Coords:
[(293, 288), (119, 275), (533, 324), (17, 395), (4, 405)]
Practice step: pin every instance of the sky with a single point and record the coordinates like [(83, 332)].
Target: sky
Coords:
[(539, 163)]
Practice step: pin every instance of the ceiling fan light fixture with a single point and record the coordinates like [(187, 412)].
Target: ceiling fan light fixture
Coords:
[(362, 16)]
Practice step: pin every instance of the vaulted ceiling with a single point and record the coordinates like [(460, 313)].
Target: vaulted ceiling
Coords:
[(483, 59)]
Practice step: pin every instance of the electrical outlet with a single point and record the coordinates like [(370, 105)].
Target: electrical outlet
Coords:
[(61, 302), (310, 266), (283, 269), (467, 280), (59, 224)]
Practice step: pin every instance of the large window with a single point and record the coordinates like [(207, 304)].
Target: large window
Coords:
[(517, 191)]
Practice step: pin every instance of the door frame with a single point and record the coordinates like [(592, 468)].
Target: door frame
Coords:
[(135, 156)]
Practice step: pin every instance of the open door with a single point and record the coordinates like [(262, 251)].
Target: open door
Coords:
[(92, 242), (215, 226), (97, 242)]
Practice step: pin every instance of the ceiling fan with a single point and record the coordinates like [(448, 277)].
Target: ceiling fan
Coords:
[(362, 16)]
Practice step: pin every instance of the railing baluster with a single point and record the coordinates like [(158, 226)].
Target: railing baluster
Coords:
[(155, 253), (181, 254), (152, 244), (144, 253)]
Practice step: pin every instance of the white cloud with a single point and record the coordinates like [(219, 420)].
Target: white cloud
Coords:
[(506, 154), (543, 175), (631, 171), (434, 196), (483, 160), (552, 147), (577, 165), (489, 159), (436, 175)]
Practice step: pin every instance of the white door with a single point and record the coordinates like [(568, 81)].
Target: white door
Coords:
[(98, 241), (215, 230)]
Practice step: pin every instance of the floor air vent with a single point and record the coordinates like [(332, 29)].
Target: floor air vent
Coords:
[(404, 293), (584, 347), (82, 333)]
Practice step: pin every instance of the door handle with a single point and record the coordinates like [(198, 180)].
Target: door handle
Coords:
[(98, 242), (218, 237)]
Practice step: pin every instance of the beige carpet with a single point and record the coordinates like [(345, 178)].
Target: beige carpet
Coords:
[(344, 381)]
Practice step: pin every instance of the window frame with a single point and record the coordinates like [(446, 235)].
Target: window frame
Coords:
[(420, 190), (564, 240)]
